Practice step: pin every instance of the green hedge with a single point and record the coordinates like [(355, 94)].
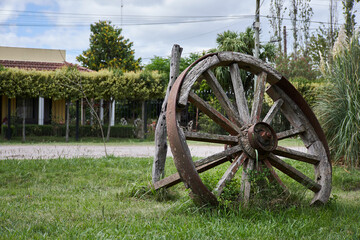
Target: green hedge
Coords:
[(59, 130), (69, 83)]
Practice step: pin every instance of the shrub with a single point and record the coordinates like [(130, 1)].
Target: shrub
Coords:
[(338, 107), (292, 67), (309, 89), (59, 130), (4, 129)]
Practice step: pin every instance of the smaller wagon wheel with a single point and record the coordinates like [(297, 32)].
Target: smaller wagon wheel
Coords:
[(249, 137)]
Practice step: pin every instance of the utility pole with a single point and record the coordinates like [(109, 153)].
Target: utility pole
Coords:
[(122, 5), (285, 50), (333, 21), (257, 35), (257, 29)]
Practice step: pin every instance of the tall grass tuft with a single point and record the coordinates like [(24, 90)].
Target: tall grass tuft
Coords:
[(338, 107)]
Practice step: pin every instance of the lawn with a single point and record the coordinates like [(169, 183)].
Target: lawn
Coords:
[(109, 198)]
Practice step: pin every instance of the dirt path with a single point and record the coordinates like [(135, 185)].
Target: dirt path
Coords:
[(70, 151)]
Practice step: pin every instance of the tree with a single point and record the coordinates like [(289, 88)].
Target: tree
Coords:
[(66, 80), (237, 42), (349, 16), (107, 90), (300, 14), (243, 42), (277, 13), (162, 66), (108, 49), (294, 22), (321, 44), (26, 92), (292, 67), (306, 13), (333, 21)]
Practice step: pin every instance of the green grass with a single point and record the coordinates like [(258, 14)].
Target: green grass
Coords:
[(49, 140), (291, 142), (108, 198), (46, 140)]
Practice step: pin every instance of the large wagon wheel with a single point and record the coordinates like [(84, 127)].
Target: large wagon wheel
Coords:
[(250, 137)]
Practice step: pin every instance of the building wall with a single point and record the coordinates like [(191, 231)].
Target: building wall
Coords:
[(58, 111), (32, 54), (4, 107)]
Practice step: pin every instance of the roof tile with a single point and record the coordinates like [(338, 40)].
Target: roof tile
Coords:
[(41, 66)]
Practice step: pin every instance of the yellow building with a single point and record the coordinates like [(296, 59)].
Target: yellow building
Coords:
[(38, 111)]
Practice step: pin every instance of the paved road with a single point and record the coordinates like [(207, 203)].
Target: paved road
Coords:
[(70, 151)]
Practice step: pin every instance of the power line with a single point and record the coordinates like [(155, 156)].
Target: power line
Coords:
[(119, 15), (125, 20), (74, 24), (299, 20), (205, 33)]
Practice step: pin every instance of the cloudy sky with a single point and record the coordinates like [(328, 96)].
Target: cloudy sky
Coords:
[(153, 25)]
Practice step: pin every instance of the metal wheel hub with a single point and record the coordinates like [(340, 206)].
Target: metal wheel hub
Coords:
[(258, 140), (262, 137)]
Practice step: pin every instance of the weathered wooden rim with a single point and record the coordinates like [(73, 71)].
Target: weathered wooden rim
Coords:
[(182, 156)]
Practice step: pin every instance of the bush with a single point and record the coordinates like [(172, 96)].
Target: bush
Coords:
[(121, 131), (309, 89), (206, 124), (59, 130), (292, 67), (338, 107), (4, 129)]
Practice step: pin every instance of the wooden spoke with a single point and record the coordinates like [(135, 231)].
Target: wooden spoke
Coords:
[(221, 96), (168, 181), (293, 114), (213, 138), (273, 110), (201, 166), (215, 115), (213, 158), (274, 176), (290, 133), (293, 154), (294, 173), (229, 174), (258, 97), (239, 91), (245, 181)]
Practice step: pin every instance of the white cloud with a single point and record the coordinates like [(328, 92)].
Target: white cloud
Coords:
[(149, 40)]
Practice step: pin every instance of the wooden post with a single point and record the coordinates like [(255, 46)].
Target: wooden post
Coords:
[(92, 114), (67, 114), (82, 112), (158, 170), (8, 132), (77, 120), (144, 119), (1, 116), (102, 111), (23, 120)]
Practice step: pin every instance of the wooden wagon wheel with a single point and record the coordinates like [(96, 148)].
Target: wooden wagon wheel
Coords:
[(250, 137)]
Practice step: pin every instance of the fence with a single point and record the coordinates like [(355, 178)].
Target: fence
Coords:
[(136, 119)]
